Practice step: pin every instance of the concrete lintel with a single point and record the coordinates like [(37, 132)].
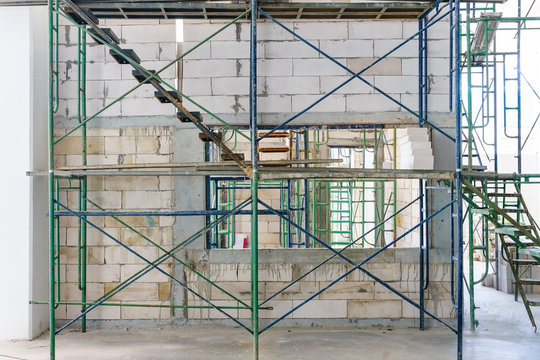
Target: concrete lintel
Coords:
[(312, 256), (351, 119)]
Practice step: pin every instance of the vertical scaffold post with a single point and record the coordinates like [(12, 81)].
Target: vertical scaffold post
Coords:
[(51, 187), (459, 204), (254, 183), (81, 114)]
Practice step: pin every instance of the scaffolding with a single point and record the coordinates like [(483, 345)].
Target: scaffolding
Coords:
[(225, 177), (500, 225)]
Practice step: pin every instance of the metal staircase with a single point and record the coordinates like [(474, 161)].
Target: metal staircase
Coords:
[(501, 203), (106, 36)]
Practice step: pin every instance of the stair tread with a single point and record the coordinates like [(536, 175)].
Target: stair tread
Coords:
[(274, 149), (509, 230), (140, 76), (275, 134), (533, 251), (226, 157), (205, 138), (526, 262), (77, 18), (184, 118), (164, 99), (529, 281), (121, 60), (526, 243), (107, 31), (503, 194)]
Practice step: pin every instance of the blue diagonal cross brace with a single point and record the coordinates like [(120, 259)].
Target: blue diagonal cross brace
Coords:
[(359, 267), (151, 265), (354, 75)]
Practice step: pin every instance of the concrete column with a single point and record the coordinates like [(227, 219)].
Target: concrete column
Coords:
[(23, 147)]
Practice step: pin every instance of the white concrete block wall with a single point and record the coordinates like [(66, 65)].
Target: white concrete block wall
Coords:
[(154, 41), (289, 68)]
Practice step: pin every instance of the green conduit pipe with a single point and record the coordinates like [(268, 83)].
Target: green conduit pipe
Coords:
[(81, 114), (154, 76)]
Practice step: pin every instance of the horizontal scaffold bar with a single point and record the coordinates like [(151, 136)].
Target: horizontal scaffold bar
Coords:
[(347, 173), (159, 213)]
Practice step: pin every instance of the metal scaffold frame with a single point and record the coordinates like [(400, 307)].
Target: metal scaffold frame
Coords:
[(253, 170), (489, 209)]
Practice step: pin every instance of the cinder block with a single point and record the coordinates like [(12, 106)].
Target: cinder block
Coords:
[(222, 272), (145, 106), (147, 144), (168, 51), (321, 30), (106, 199), (439, 48), (209, 68), (148, 199), (129, 237), (370, 103), (292, 85), (384, 29), (386, 66), (129, 312), (275, 67), (316, 67), (374, 309), (222, 104), (418, 162), (274, 103), (96, 238), (153, 276), (97, 71), (354, 86), (196, 32), (120, 255), (201, 52), (242, 290), (230, 86), (347, 290), (231, 49), (149, 34), (196, 86), (94, 89), (151, 159), (321, 309), (333, 103), (397, 84), (148, 51), (272, 31), (439, 85), (95, 105), (408, 50), (120, 145), (347, 48), (135, 291), (103, 273), (290, 49), (131, 183)]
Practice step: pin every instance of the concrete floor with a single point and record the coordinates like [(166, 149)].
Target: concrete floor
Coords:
[(504, 333)]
